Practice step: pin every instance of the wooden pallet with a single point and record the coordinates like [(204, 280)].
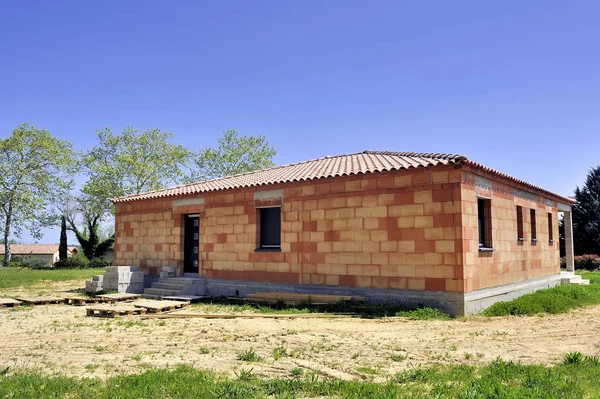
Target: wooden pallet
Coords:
[(161, 306), (79, 301), (119, 297), (9, 303), (244, 316), (294, 298), (114, 311), (41, 300)]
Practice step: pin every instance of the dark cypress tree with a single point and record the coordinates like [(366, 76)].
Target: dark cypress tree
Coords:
[(586, 215), (62, 248)]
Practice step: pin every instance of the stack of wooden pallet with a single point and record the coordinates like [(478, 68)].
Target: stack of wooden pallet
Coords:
[(293, 298)]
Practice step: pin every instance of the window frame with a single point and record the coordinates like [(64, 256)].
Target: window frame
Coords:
[(520, 224), (263, 214), (533, 221), (484, 224), (550, 228)]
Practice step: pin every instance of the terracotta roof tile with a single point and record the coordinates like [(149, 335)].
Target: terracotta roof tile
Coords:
[(36, 249), (330, 166)]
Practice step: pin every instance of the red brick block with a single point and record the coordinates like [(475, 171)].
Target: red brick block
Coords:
[(221, 238), (435, 284), (332, 235), (404, 198), (309, 226), (443, 195), (443, 220), (348, 281), (424, 246)]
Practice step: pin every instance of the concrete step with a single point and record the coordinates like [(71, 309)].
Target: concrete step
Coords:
[(161, 292), (573, 279), (180, 280), (150, 296), (170, 286)]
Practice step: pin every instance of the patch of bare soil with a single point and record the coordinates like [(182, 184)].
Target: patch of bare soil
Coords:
[(61, 339)]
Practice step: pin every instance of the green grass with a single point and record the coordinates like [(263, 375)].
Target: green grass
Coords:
[(11, 277), (559, 299), (352, 308), (499, 379)]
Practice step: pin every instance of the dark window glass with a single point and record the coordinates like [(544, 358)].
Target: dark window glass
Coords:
[(520, 234), (550, 232), (484, 216), (270, 227), (533, 225)]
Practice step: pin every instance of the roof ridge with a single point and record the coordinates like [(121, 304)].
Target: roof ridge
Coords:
[(437, 155)]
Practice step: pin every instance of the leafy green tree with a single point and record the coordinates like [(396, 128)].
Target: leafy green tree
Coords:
[(586, 215), (91, 238), (235, 154), (63, 250), (35, 168), (132, 162)]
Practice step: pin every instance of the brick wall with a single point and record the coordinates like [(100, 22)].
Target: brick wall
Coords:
[(414, 229), (398, 229), (512, 260)]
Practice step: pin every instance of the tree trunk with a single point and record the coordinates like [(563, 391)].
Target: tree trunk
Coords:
[(6, 241)]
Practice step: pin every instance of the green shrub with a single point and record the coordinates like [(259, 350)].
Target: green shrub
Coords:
[(35, 263), (77, 261), (583, 262), (424, 314), (99, 262)]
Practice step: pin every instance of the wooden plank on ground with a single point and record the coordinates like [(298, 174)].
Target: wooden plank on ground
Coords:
[(244, 316), (79, 301), (41, 300), (118, 297), (161, 306), (9, 303), (113, 311), (183, 298)]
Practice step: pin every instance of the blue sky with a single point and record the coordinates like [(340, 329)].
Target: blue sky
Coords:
[(513, 85)]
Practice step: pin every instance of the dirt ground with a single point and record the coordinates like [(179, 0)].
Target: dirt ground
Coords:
[(60, 339)]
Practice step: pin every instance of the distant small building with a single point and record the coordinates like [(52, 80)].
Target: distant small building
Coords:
[(46, 252)]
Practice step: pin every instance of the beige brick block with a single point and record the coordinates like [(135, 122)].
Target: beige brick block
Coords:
[(370, 270), (406, 222), (324, 247), (354, 224), (444, 246), (338, 202), (423, 221), (415, 259), (353, 202), (371, 223), (379, 235), (396, 258), (332, 279), (388, 270), (432, 208), (347, 235), (385, 199), (403, 181), (363, 281), (434, 233), (444, 272), (308, 190), (363, 212), (388, 246), (347, 258), (440, 177), (406, 210), (379, 211), (316, 236), (354, 270), (380, 258), (425, 271), (362, 235), (406, 246), (434, 259), (346, 213), (371, 247), (332, 214), (406, 271), (369, 201), (318, 214), (422, 197), (339, 224), (362, 258), (332, 258), (352, 186)]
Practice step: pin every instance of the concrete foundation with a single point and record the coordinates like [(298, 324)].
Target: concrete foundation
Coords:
[(127, 279), (453, 303)]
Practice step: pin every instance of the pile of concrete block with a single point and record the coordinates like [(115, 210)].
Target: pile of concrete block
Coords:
[(124, 279), (168, 272), (94, 285)]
